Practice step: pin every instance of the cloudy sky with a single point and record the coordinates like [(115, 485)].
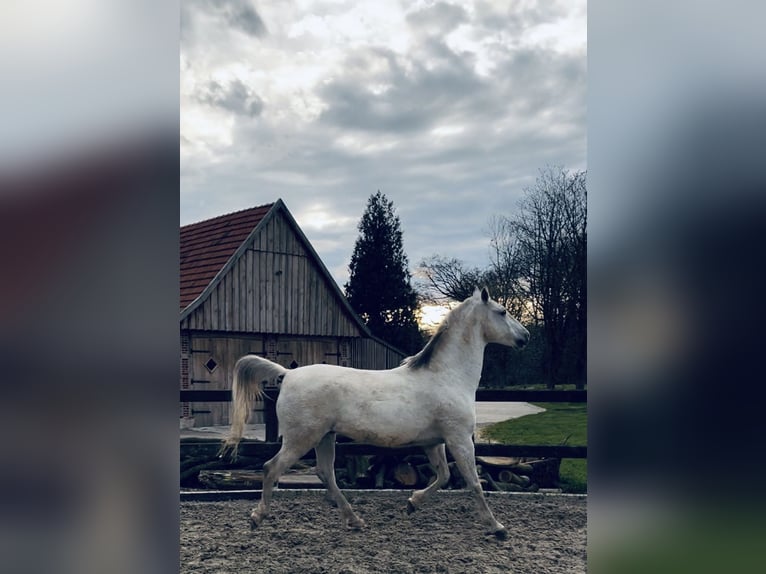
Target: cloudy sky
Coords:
[(449, 109)]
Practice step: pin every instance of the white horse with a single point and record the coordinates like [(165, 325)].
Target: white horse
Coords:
[(427, 401)]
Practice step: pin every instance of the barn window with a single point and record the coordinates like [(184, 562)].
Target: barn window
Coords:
[(211, 364)]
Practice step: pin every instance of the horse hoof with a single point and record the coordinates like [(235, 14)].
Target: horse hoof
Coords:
[(255, 521), (501, 534), (410, 507), (357, 524)]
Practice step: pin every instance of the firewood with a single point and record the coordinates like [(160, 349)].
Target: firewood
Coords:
[(522, 480), (486, 477), (231, 478), (506, 475), (191, 473), (501, 461), (405, 474), (521, 468)]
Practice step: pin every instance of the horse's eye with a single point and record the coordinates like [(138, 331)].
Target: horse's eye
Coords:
[(502, 311)]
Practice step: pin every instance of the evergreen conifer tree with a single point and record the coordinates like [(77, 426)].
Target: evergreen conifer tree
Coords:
[(379, 287)]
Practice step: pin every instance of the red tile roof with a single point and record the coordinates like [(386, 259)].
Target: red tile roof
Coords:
[(207, 246)]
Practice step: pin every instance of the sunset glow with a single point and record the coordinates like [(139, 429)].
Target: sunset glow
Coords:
[(431, 316)]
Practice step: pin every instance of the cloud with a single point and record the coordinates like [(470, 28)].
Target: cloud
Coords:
[(241, 15), (518, 19), (238, 15), (236, 98), (437, 19), (384, 91), (441, 108)]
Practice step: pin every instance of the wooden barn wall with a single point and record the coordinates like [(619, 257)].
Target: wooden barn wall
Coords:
[(275, 287), (287, 350), (224, 351), (370, 354)]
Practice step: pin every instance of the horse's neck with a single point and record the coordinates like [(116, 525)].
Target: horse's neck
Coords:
[(463, 355)]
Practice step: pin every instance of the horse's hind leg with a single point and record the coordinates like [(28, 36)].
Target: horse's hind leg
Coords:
[(325, 452), (287, 456), (438, 459), (463, 451)]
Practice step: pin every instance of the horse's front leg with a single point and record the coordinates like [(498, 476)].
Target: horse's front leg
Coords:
[(463, 451)]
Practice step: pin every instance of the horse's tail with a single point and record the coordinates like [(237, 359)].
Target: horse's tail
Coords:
[(250, 374)]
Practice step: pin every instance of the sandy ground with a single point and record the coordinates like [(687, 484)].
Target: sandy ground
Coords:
[(547, 534)]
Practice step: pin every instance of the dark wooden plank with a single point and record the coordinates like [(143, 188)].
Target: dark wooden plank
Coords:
[(497, 395), (482, 395), (250, 293), (269, 449), (213, 302), (225, 301), (198, 396), (542, 451), (238, 295)]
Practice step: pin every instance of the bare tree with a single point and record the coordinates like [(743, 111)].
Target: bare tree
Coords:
[(448, 279), (550, 232), (505, 274), (537, 270)]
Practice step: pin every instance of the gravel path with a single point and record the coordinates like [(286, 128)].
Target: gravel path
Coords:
[(547, 534)]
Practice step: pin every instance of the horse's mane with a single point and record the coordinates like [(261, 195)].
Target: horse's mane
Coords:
[(423, 358)]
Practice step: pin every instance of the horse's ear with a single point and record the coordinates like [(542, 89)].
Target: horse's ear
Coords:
[(484, 294)]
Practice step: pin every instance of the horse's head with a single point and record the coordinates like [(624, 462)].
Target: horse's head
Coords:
[(497, 325)]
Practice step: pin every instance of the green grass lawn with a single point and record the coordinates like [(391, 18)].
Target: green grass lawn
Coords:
[(560, 423)]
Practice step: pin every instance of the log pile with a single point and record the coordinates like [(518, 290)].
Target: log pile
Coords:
[(231, 479), (202, 469), (414, 471), (198, 455), (253, 479), (513, 474)]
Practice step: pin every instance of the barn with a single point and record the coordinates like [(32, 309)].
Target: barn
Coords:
[(251, 283)]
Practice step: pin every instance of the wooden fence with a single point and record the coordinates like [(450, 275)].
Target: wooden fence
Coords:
[(349, 448)]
